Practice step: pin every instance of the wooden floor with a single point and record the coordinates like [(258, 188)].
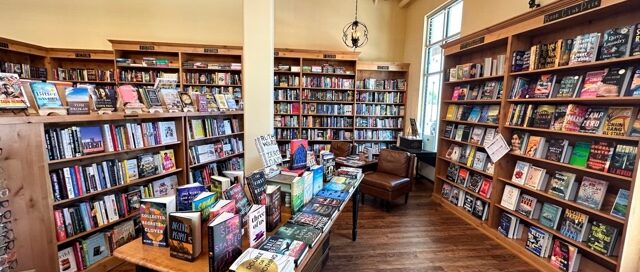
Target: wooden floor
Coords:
[(421, 236)]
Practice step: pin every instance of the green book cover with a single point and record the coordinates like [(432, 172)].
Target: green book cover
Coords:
[(580, 154), (297, 194), (550, 215)]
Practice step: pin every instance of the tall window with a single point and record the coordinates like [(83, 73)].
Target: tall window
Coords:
[(440, 26)]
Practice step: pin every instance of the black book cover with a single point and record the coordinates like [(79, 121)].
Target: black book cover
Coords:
[(556, 149), (257, 184), (615, 43), (593, 120), (466, 133), (623, 160), (635, 43)]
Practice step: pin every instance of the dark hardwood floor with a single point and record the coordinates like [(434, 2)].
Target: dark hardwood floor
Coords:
[(419, 236)]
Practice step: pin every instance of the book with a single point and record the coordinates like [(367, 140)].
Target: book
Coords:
[(634, 82), (257, 225), (585, 48), (600, 156), (480, 209), (147, 165), (171, 99), (463, 176), (568, 86), (479, 160), (298, 154), (318, 177), (485, 187), (453, 153), (95, 248), (452, 172), (314, 220), (621, 204), (339, 195), (528, 206), (185, 195), (225, 241), (284, 246), (45, 94), (475, 182), (574, 117), (580, 154), (477, 134), (556, 149), (536, 178), (257, 185), (592, 82), (574, 225), (468, 203), (308, 235), (165, 186), (543, 116), (222, 206), (185, 240), (616, 42), (623, 160), (535, 146), (221, 100), (592, 192), (544, 86), (168, 160), (550, 215), (67, 260), (520, 172), (617, 121), (635, 41), (538, 241), (91, 139), (510, 197), (610, 82), (564, 256), (559, 117), (297, 194), (273, 197), (602, 238), (508, 225), (593, 120), (167, 131), (128, 95), (185, 100), (203, 203), (257, 260), (13, 95), (235, 193), (562, 185), (77, 99), (154, 217)]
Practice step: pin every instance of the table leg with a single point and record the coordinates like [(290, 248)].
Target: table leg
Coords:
[(355, 205)]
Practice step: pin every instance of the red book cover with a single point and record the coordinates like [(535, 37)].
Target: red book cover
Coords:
[(574, 117), (123, 200), (60, 232), (114, 138), (295, 108), (298, 152), (485, 188), (79, 180), (600, 156), (78, 255), (592, 82)]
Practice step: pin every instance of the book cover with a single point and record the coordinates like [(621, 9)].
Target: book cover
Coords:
[(147, 166), (463, 176), (225, 241), (168, 160), (574, 224), (477, 134), (318, 173), (592, 192), (616, 42), (600, 156), (493, 114), (307, 219), (222, 206), (592, 83), (568, 86), (284, 246), (339, 195), (536, 241), (452, 172), (479, 160), (171, 99), (614, 82), (563, 255), (298, 153), (544, 86), (617, 121), (556, 149), (67, 260), (560, 184), (468, 203), (95, 248), (257, 184), (635, 42), (593, 120), (129, 96), (453, 153), (168, 132), (543, 116), (480, 209), (623, 160), (510, 197), (45, 94), (297, 194), (165, 187), (534, 143), (13, 95), (574, 117), (154, 218), (185, 241), (505, 224), (257, 225), (185, 195), (474, 182), (535, 177), (559, 117), (520, 88), (257, 260), (91, 139), (580, 154), (585, 48), (485, 188), (103, 98), (520, 172), (273, 206), (621, 204), (78, 99), (203, 203), (602, 238), (306, 234), (235, 192), (527, 205), (550, 215), (518, 141), (634, 88)]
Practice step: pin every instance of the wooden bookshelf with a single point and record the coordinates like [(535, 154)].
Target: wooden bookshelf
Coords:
[(28, 55), (520, 33), (75, 66)]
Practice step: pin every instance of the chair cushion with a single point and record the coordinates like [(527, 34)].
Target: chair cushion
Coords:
[(394, 162), (385, 181)]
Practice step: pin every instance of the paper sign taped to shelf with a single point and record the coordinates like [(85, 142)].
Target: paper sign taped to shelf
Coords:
[(497, 148)]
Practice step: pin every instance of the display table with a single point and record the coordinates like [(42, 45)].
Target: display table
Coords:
[(158, 259)]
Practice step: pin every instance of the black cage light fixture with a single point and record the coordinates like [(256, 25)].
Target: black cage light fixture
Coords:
[(355, 34)]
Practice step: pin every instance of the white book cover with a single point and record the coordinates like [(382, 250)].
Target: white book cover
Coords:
[(257, 225), (520, 172), (257, 260), (168, 133), (510, 197)]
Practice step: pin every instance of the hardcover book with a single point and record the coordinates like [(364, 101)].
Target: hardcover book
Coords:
[(585, 48), (452, 172), (168, 133), (67, 260), (257, 260), (299, 154), (543, 116), (617, 121), (592, 192), (580, 154), (95, 249), (307, 219), (623, 160), (339, 195), (564, 256), (574, 225), (485, 188), (510, 197), (550, 215), (154, 218), (480, 209), (574, 117), (13, 94), (544, 87), (147, 166), (45, 94), (477, 134), (634, 88), (225, 241), (614, 82), (128, 95), (538, 241), (235, 192), (616, 43), (561, 185), (536, 178), (257, 185), (257, 225), (600, 156), (592, 83), (621, 204), (635, 43), (320, 209), (602, 238), (534, 146), (185, 195), (593, 120), (520, 172), (78, 99), (474, 182), (168, 160), (171, 99), (308, 235), (468, 203), (203, 203), (568, 86), (519, 141), (283, 246), (558, 117), (185, 240), (453, 153), (528, 206), (463, 176), (273, 206), (556, 149)]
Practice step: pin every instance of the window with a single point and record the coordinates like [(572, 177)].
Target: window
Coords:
[(441, 26)]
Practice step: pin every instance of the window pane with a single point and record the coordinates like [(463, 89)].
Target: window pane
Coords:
[(455, 19), (435, 59), (431, 111), (436, 28)]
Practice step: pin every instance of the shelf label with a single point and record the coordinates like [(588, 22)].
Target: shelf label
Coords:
[(471, 43), (329, 56), (83, 55), (276, 54), (211, 50), (4, 45), (147, 47), (383, 67), (571, 10)]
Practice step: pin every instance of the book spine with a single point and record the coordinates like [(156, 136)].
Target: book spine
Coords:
[(107, 174), (60, 228), (106, 131), (78, 180), (77, 144)]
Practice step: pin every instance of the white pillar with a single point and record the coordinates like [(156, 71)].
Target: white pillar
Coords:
[(258, 76)]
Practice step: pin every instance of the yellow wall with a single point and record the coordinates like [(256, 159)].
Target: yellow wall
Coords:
[(479, 14), (308, 24)]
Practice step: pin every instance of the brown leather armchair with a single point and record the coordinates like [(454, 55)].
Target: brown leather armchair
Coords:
[(341, 149), (393, 178)]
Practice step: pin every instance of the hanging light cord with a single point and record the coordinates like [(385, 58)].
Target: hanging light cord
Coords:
[(356, 10)]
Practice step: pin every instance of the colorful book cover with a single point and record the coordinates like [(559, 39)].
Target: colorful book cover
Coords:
[(617, 121), (533, 146), (287, 247), (91, 139), (235, 192), (203, 203), (616, 42), (535, 177), (314, 220), (147, 166), (585, 48), (634, 88), (95, 248), (273, 206), (635, 42), (463, 176), (574, 224), (550, 215), (185, 241), (543, 116), (592, 192), (78, 99), (225, 241), (574, 117), (168, 160), (563, 255), (544, 86), (318, 172), (185, 195), (154, 217), (297, 194), (308, 235), (559, 117), (129, 96), (171, 99), (12, 95), (452, 172), (168, 132), (568, 86), (342, 196), (485, 188), (580, 154), (299, 153), (623, 160), (536, 239), (600, 156), (257, 225), (602, 238), (593, 120), (257, 260), (67, 260), (45, 94), (560, 184), (103, 98), (614, 82), (592, 82), (621, 204), (520, 172)]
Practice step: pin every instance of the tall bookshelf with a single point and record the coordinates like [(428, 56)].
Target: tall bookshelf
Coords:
[(26, 60), (316, 97), (80, 66), (138, 73), (521, 33)]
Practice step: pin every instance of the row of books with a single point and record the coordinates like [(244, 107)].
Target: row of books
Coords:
[(322, 108), (373, 147), (590, 193), (327, 121), (205, 65), (78, 180), (474, 113), (490, 67), (216, 150), (212, 78), (389, 110), (613, 43), (84, 74), (326, 134), (381, 97), (326, 69), (375, 134), (365, 122), (604, 156), (473, 181), (86, 252), (286, 133), (608, 82), (327, 82), (128, 75), (285, 121), (327, 95), (286, 80), (210, 127), (23, 70), (478, 135), (286, 94), (489, 90), (286, 108), (204, 173), (476, 206), (234, 91), (471, 157), (144, 62), (609, 121), (382, 84)]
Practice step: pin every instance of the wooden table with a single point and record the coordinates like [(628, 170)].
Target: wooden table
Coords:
[(158, 259)]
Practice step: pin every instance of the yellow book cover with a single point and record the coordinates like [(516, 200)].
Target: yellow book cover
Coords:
[(197, 129), (472, 154), (168, 160), (617, 121), (451, 112)]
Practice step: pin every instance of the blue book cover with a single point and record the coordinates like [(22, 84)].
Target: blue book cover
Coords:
[(505, 224), (621, 205), (203, 203), (318, 172), (46, 95), (95, 248), (74, 184), (185, 195), (335, 186), (474, 116), (536, 240), (333, 194)]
